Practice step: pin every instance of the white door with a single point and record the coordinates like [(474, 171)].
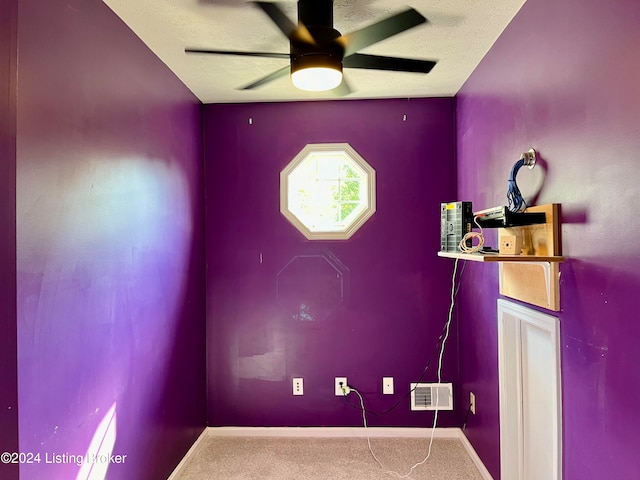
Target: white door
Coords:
[(530, 403)]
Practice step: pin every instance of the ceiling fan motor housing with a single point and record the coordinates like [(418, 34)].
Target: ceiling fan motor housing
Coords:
[(317, 17)]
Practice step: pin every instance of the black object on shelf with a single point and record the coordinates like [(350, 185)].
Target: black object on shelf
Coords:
[(501, 217)]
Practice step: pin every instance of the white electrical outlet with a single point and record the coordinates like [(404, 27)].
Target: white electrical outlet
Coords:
[(387, 385), (297, 386), (472, 402), (340, 386)]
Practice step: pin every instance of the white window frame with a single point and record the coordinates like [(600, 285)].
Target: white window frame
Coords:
[(317, 229)]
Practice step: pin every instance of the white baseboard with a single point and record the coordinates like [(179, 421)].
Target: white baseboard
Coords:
[(187, 455), (332, 432), (336, 432), (474, 457)]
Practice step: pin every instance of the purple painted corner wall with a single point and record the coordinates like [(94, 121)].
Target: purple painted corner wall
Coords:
[(110, 246), (260, 268), (104, 292), (8, 337), (564, 78)]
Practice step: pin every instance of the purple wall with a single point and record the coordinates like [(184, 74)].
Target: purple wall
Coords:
[(395, 303), (110, 300), (8, 345), (564, 78)]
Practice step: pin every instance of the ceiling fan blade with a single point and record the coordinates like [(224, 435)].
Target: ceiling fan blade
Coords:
[(343, 89), (290, 29), (269, 78), (278, 17), (233, 52), (376, 62), (374, 33)]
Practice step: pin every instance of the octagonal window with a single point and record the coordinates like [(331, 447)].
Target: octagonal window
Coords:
[(328, 191)]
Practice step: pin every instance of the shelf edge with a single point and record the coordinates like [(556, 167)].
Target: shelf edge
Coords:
[(478, 257)]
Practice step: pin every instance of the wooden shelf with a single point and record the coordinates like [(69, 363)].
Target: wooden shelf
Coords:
[(492, 257), (534, 275)]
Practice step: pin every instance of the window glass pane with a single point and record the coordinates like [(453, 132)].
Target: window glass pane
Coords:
[(327, 166)]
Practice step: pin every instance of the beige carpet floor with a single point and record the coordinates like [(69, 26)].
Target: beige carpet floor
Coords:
[(282, 458)]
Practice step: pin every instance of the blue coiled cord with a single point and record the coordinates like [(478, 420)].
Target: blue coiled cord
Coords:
[(516, 202)]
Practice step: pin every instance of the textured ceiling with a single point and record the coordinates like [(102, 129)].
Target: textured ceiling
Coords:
[(457, 36)]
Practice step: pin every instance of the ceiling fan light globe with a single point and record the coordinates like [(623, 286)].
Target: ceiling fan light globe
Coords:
[(316, 79)]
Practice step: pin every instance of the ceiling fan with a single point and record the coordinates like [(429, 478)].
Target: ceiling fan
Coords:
[(318, 52)]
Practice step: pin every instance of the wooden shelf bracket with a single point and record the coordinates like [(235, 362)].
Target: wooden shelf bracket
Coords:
[(537, 283)]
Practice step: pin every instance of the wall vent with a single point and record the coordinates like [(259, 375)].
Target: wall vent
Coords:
[(431, 396)]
